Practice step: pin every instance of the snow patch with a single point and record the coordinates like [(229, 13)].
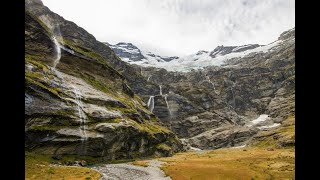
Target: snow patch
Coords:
[(195, 149), (269, 127), (261, 118), (242, 146)]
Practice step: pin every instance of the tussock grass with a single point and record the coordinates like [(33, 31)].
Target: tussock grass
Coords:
[(265, 158), (39, 167), (141, 163), (253, 163)]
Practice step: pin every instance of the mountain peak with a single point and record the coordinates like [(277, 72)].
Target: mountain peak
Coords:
[(287, 34), (130, 53), (202, 52), (223, 50)]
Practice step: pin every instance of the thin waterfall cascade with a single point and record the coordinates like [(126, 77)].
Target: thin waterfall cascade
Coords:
[(55, 30), (66, 49), (58, 52), (165, 98), (148, 78), (234, 102), (57, 33), (151, 103), (83, 119), (160, 89), (208, 79), (170, 114)]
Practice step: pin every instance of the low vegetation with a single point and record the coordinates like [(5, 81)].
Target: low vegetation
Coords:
[(248, 163), (282, 137), (40, 167), (141, 163), (267, 157)]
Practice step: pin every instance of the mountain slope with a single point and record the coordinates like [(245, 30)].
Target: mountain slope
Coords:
[(212, 106), (76, 103)]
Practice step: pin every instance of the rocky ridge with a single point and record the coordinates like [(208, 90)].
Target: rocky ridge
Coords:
[(132, 54)]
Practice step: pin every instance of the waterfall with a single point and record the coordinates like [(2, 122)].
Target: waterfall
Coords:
[(234, 101), (165, 98), (208, 79), (55, 29), (57, 33), (151, 103), (160, 89), (148, 78), (58, 52), (83, 119), (66, 49)]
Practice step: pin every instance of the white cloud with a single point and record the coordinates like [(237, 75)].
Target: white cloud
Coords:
[(180, 27)]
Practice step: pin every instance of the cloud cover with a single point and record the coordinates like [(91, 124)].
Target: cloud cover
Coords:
[(180, 27)]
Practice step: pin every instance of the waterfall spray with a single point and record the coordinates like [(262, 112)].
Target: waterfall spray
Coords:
[(151, 103), (160, 89), (208, 79), (58, 52), (57, 33), (234, 101), (165, 98), (83, 119)]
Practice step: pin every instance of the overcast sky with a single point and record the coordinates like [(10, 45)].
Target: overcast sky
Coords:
[(180, 27)]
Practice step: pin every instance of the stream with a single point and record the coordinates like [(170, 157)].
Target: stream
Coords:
[(128, 171)]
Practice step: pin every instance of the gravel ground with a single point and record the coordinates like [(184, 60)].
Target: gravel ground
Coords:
[(128, 171)]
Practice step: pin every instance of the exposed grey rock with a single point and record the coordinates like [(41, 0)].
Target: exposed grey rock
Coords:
[(65, 103), (100, 113), (225, 136)]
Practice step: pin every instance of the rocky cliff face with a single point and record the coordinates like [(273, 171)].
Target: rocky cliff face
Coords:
[(77, 103), (84, 41), (212, 106), (127, 51)]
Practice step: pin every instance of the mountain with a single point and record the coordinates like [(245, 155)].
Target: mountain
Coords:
[(213, 106), (77, 101), (88, 98), (223, 50), (127, 51), (132, 54), (219, 56)]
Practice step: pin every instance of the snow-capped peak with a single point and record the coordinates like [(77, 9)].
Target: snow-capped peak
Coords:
[(220, 56)]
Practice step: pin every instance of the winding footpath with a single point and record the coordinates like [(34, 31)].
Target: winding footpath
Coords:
[(128, 171)]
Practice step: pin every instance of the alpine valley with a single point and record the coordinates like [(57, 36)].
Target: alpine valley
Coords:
[(125, 113)]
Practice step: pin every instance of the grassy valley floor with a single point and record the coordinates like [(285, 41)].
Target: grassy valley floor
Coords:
[(228, 163), (38, 167), (225, 164)]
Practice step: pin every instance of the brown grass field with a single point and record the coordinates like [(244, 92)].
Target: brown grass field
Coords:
[(224, 164), (38, 168), (263, 159)]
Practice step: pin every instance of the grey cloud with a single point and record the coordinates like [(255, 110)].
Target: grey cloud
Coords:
[(180, 27)]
